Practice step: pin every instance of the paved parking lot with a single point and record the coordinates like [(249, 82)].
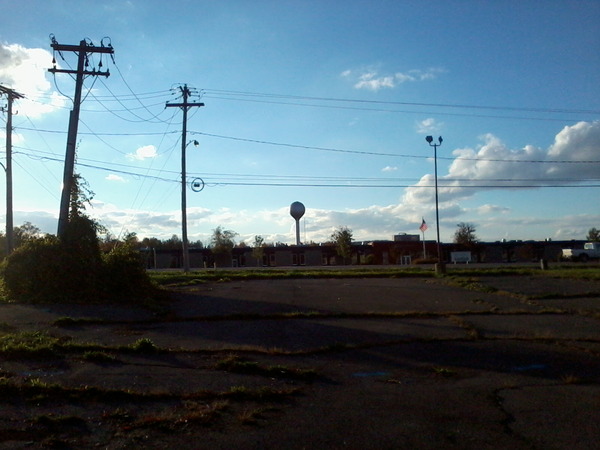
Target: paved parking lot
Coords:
[(401, 363)]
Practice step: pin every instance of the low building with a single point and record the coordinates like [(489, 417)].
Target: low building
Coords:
[(402, 251)]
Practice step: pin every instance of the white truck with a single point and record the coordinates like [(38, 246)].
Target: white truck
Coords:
[(590, 250)]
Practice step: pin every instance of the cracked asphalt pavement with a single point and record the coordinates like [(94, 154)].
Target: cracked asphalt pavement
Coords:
[(399, 363)]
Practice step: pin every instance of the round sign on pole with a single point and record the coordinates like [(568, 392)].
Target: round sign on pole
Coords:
[(197, 184)]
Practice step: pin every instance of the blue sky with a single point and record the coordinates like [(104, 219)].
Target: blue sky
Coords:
[(323, 102)]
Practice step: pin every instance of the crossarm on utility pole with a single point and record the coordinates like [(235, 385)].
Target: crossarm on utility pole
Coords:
[(82, 50)]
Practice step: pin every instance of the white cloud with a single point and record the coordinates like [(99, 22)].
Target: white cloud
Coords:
[(389, 169), (580, 142), (113, 177), (25, 71), (483, 164), (142, 153), (492, 209), (493, 165), (373, 81), (429, 125)]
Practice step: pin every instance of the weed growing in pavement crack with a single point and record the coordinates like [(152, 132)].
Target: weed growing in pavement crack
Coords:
[(235, 364)]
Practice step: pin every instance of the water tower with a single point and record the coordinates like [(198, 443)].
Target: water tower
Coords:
[(297, 211)]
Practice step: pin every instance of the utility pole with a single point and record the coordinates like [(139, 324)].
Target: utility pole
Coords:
[(11, 95), (82, 50), (185, 105)]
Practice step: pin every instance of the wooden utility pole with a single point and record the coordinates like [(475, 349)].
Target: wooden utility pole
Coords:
[(82, 50), (11, 95), (185, 105)]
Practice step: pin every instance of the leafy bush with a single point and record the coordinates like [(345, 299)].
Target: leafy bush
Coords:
[(34, 272), (49, 269), (73, 270), (124, 274)]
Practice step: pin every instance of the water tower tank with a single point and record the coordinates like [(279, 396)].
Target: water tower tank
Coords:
[(297, 210)]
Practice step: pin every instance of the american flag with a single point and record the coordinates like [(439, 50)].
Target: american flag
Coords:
[(423, 226)]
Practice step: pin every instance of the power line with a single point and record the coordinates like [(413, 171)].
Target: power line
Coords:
[(53, 194), (318, 182), (396, 111), (396, 155), (381, 102), (326, 149), (152, 133)]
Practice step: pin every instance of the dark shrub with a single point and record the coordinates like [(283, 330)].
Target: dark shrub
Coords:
[(72, 269), (124, 274), (34, 272), (81, 258)]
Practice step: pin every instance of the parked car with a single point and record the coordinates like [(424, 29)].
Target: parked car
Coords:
[(590, 250)]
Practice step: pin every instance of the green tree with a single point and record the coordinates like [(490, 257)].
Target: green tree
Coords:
[(342, 238), (151, 243), (258, 249), (25, 232), (131, 239), (465, 234), (21, 235), (222, 241), (221, 244), (593, 235), (172, 243)]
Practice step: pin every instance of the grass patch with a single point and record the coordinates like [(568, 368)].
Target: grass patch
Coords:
[(36, 345), (143, 345), (472, 332), (59, 422), (173, 279), (444, 371), (251, 416), (470, 283), (235, 364), (575, 272), (34, 389), (571, 379), (29, 345), (262, 394), (559, 296), (99, 357), (173, 420), (467, 277)]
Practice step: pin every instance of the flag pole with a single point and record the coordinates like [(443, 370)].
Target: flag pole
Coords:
[(423, 227)]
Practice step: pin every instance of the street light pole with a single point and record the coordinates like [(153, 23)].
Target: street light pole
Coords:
[(435, 145)]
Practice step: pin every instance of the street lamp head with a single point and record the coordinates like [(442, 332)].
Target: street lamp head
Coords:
[(441, 140), (429, 139), (196, 143)]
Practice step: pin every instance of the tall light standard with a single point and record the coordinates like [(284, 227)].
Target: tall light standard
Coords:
[(435, 145), (184, 239)]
